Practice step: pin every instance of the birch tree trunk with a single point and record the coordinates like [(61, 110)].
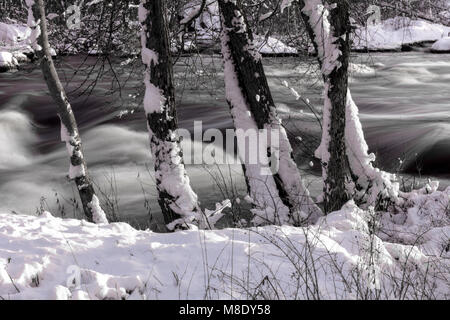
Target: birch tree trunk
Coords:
[(248, 93), (69, 130), (178, 202)]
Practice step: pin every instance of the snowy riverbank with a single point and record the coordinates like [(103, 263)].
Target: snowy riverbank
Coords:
[(15, 45), (393, 34), (390, 35), (339, 257)]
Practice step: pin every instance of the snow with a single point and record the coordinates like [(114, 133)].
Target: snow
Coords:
[(264, 193), (170, 172), (207, 25), (391, 34), (14, 33), (154, 100), (442, 45), (72, 144), (7, 60), (263, 188), (371, 182), (98, 215), (328, 53), (35, 27), (350, 252), (17, 40), (13, 44), (208, 29), (374, 181), (360, 69), (272, 45)]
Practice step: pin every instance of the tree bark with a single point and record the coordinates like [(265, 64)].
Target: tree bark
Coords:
[(343, 151), (237, 39), (69, 130), (335, 184), (177, 200), (332, 151)]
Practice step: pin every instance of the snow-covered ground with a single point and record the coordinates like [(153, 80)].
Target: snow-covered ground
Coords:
[(7, 60), (391, 34), (273, 46), (14, 43), (351, 254), (442, 45), (14, 33)]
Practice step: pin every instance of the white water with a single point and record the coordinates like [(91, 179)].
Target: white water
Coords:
[(403, 98)]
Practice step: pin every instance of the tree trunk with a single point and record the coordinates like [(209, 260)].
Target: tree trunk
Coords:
[(343, 150), (335, 184), (244, 73), (69, 131), (334, 46), (177, 200)]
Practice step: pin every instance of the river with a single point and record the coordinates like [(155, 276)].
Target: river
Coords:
[(404, 102)]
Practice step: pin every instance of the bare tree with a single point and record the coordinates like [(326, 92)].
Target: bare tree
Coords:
[(69, 130), (177, 200), (280, 196)]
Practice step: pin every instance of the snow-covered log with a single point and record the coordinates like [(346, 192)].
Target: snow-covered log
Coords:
[(370, 186), (279, 197), (69, 130), (177, 200)]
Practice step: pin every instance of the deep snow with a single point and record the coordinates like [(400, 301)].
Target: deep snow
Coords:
[(392, 34), (338, 257), (442, 45)]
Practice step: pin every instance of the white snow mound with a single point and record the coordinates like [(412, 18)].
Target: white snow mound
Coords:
[(7, 60), (41, 257), (12, 34), (391, 34), (442, 45), (273, 46)]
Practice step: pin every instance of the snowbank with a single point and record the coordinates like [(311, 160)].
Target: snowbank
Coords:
[(12, 34), (15, 44), (441, 46), (7, 61), (272, 46), (392, 34), (339, 257), (360, 69)]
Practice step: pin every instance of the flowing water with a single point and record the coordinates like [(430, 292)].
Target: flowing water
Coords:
[(404, 101)]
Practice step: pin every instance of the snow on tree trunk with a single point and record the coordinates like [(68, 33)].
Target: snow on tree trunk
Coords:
[(69, 130), (177, 200), (330, 37), (372, 185), (333, 39), (281, 196)]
